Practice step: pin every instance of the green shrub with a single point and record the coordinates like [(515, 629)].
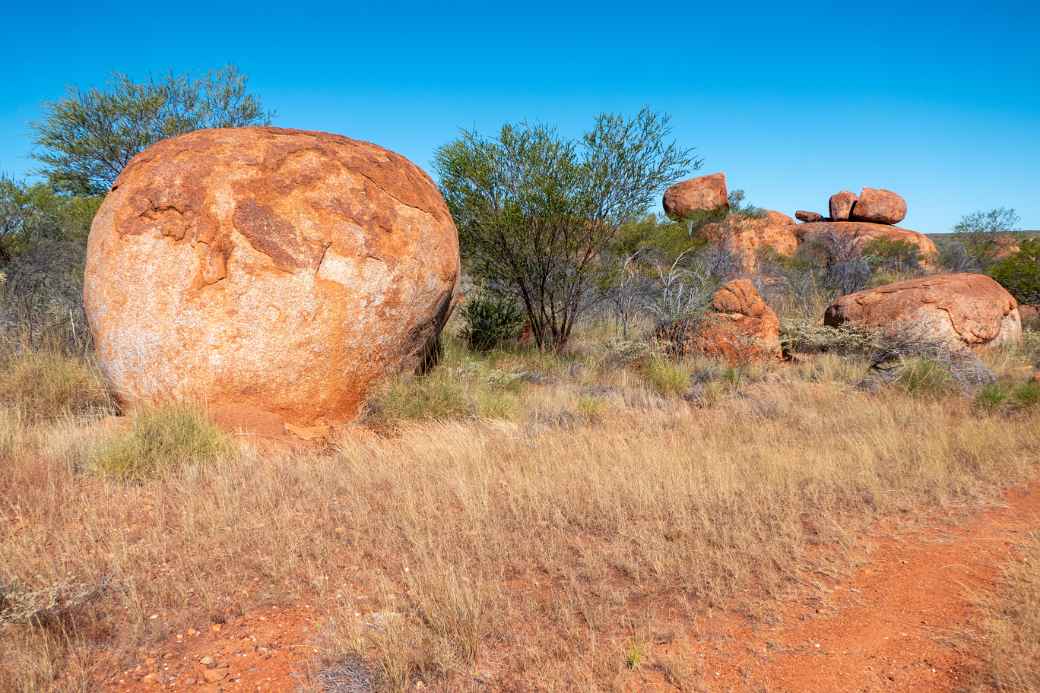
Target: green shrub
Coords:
[(490, 321), (926, 378), (160, 440), (666, 377), (890, 255), (43, 386), (1002, 397), (1020, 273)]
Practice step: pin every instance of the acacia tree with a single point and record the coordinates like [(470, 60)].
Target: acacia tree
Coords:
[(536, 211), (981, 234), (88, 137)]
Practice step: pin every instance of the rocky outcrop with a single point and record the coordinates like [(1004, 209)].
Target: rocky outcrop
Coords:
[(744, 237), (840, 205), (961, 310), (275, 274), (704, 194), (803, 215), (739, 327), (878, 206), (858, 234)]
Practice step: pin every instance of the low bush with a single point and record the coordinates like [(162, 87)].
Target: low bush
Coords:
[(490, 321), (160, 440), (809, 337), (1002, 397), (924, 377), (666, 377), (43, 386)]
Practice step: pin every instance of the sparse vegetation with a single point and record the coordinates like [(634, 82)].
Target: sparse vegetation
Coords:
[(49, 385), (1010, 637), (458, 534)]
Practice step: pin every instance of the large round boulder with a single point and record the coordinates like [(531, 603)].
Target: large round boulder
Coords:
[(704, 194), (274, 274), (878, 206), (961, 310)]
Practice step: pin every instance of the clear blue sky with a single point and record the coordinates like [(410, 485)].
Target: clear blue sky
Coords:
[(940, 102)]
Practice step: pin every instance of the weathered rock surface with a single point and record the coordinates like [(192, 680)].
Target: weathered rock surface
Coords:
[(841, 204), (702, 194), (878, 206), (859, 233), (740, 327), (275, 274), (803, 215), (962, 310), (745, 236)]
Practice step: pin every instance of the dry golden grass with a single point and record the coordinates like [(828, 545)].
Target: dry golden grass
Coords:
[(1010, 637), (531, 549)]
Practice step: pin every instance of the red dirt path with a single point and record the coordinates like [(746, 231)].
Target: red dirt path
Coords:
[(890, 626)]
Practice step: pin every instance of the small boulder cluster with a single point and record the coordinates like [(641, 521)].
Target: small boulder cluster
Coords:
[(872, 205)]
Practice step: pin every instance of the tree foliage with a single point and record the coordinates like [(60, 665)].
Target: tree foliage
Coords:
[(981, 233), (32, 213), (88, 137), (1020, 273), (536, 211)]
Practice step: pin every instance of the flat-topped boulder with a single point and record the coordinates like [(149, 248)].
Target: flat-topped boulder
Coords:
[(690, 197), (275, 274), (962, 310), (802, 215), (859, 234)]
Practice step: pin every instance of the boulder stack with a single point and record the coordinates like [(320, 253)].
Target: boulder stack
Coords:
[(871, 215), (274, 274)]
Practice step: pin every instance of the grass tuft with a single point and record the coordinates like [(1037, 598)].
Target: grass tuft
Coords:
[(160, 440), (44, 386)]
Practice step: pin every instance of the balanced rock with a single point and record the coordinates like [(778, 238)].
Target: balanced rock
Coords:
[(841, 205), (961, 310), (275, 274), (744, 237), (703, 194), (802, 215), (739, 327), (858, 234), (878, 206)]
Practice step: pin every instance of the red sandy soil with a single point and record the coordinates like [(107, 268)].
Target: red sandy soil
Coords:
[(892, 625)]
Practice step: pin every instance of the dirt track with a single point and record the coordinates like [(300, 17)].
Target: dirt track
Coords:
[(891, 626)]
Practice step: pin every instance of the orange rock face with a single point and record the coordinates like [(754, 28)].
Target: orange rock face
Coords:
[(696, 195), (739, 328), (744, 237), (963, 310), (841, 204), (878, 206), (802, 215), (859, 233), (275, 274)]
